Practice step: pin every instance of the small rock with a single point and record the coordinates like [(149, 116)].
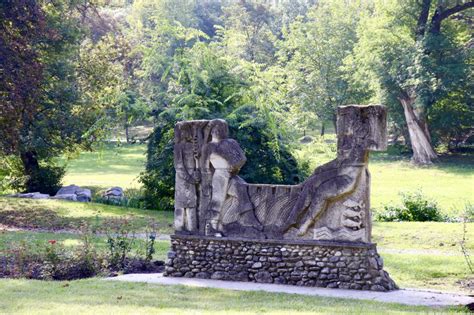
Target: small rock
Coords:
[(263, 277)]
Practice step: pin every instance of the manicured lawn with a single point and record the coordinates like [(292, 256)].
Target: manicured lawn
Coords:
[(450, 182), (111, 164), (416, 254), (59, 214), (94, 296)]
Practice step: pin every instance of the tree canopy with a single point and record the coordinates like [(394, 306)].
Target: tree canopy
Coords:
[(70, 70)]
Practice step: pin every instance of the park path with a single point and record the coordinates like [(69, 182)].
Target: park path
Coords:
[(405, 296)]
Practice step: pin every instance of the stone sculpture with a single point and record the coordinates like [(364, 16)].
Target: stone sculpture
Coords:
[(316, 233), (332, 204)]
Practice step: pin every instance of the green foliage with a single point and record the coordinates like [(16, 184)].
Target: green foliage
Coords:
[(203, 84), (451, 118), (158, 178), (269, 160), (415, 207), (47, 179), (133, 198), (313, 51)]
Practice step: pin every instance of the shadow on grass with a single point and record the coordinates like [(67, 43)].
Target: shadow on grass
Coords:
[(459, 164), (56, 215)]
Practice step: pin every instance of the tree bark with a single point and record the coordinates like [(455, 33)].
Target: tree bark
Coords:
[(30, 165), (322, 129), (127, 135), (423, 153)]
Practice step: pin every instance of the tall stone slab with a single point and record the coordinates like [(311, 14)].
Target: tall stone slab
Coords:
[(330, 209)]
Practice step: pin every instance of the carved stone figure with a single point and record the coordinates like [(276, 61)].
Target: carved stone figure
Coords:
[(317, 233), (223, 157), (332, 204), (186, 179)]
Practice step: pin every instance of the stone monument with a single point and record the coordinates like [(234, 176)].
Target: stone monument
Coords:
[(317, 233)]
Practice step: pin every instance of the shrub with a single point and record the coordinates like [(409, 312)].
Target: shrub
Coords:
[(269, 158), (47, 179), (415, 207), (51, 260), (133, 198)]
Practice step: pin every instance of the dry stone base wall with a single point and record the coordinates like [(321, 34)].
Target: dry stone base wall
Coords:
[(304, 263)]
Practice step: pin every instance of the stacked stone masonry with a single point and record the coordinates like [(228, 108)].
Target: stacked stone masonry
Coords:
[(304, 263)]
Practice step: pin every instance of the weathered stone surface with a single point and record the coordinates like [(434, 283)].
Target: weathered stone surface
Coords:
[(74, 193), (229, 229), (114, 194), (332, 204), (263, 277), (33, 195), (234, 265)]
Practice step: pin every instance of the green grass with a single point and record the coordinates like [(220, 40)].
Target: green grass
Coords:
[(428, 271), (450, 182), (93, 296), (417, 254), (58, 214), (109, 165)]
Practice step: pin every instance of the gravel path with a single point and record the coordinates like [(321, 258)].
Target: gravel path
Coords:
[(405, 296)]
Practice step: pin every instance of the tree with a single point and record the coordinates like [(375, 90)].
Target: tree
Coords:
[(43, 112), (247, 32), (404, 49), (313, 50), (204, 84)]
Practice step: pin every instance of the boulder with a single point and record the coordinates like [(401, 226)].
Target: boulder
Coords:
[(71, 197), (33, 195), (113, 193), (306, 139), (74, 193)]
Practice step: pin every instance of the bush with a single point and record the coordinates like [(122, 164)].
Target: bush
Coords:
[(415, 207), (47, 179), (133, 198), (269, 159)]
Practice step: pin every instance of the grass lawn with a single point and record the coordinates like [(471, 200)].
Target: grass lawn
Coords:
[(112, 164), (94, 296), (59, 214), (416, 254), (450, 182)]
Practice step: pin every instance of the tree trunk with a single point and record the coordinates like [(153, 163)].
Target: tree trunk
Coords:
[(127, 135), (334, 121), (30, 166), (423, 153), (322, 129)]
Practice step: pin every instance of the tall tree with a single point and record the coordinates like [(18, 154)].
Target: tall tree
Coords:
[(313, 51), (405, 50), (42, 110)]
